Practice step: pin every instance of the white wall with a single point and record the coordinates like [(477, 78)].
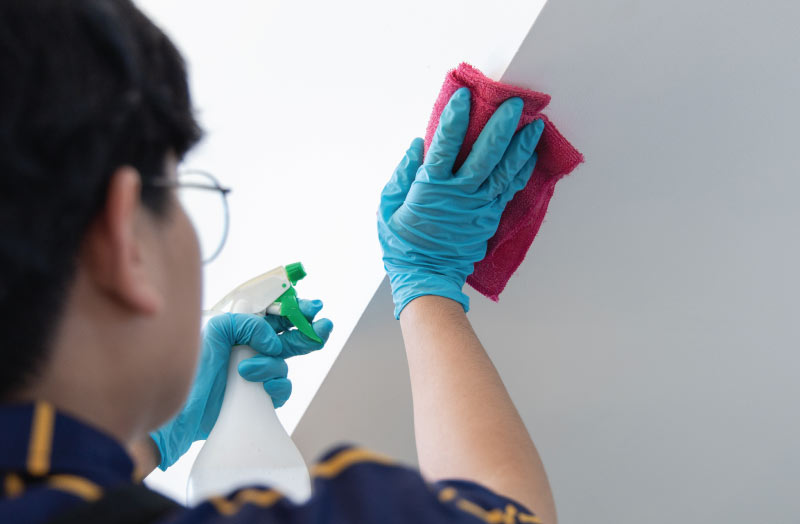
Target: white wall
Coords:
[(309, 106), (651, 339)]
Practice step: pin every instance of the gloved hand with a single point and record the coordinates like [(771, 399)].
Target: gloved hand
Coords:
[(271, 337), (434, 225)]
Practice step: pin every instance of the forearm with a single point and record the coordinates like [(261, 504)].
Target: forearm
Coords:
[(465, 422)]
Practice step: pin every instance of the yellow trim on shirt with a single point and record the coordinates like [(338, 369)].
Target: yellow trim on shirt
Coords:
[(260, 497), (343, 460), (510, 516), (84, 488), (533, 519), (41, 439), (268, 497), (447, 494), (496, 516), (13, 485), (470, 507)]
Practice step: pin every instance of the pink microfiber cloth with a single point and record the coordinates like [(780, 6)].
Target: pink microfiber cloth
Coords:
[(524, 214)]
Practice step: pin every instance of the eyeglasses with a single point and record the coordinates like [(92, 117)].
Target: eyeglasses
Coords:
[(206, 204)]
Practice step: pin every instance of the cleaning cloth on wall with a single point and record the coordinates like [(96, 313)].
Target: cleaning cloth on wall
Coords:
[(524, 214)]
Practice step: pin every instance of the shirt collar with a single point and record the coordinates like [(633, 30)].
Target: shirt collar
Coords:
[(39, 441)]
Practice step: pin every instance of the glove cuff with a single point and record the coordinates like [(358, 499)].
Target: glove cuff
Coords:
[(407, 287)]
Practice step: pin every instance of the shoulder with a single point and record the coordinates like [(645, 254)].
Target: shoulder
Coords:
[(41, 499), (355, 484)]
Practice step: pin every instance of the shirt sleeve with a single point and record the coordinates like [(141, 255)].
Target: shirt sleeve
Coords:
[(355, 485), (482, 502)]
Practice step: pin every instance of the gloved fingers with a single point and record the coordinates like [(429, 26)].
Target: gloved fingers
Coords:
[(279, 389), (222, 332), (272, 371), (491, 145), (395, 191), (520, 180), (295, 343), (517, 154), (309, 309), (449, 135), (256, 332), (218, 336), (261, 368)]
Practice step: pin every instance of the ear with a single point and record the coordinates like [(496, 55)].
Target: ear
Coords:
[(114, 247)]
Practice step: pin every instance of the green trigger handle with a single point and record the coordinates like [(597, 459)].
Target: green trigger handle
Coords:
[(290, 308)]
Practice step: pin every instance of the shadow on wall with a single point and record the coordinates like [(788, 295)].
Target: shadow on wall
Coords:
[(343, 405)]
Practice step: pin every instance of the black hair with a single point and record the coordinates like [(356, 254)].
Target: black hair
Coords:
[(86, 86)]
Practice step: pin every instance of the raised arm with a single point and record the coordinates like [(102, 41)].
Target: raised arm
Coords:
[(465, 423), (434, 226)]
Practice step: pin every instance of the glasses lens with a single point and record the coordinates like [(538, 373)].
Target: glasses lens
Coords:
[(207, 209)]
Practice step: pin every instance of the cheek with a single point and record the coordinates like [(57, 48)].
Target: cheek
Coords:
[(190, 269), (184, 303)]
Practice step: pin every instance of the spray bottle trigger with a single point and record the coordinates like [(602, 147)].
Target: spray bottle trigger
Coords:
[(290, 309)]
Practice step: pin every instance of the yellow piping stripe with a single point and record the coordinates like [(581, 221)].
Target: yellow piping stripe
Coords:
[(474, 509), (266, 498), (495, 516), (510, 516), (259, 497), (533, 519), (14, 486), (41, 440), (447, 494), (84, 488), (345, 459)]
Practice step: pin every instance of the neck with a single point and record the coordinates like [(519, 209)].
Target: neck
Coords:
[(91, 372), (83, 404)]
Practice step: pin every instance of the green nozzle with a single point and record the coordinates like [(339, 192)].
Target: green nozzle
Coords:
[(295, 272)]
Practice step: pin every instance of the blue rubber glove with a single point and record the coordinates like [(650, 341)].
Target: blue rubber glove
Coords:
[(271, 337), (434, 225)]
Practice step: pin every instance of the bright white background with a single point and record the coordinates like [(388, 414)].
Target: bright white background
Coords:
[(309, 106)]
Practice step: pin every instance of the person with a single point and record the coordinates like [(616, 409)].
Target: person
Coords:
[(105, 372)]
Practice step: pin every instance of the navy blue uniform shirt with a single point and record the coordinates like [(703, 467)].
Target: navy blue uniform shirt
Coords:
[(50, 462)]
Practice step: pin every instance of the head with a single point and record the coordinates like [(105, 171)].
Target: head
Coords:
[(100, 272)]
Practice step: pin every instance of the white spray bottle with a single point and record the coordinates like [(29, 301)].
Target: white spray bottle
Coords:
[(248, 445)]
